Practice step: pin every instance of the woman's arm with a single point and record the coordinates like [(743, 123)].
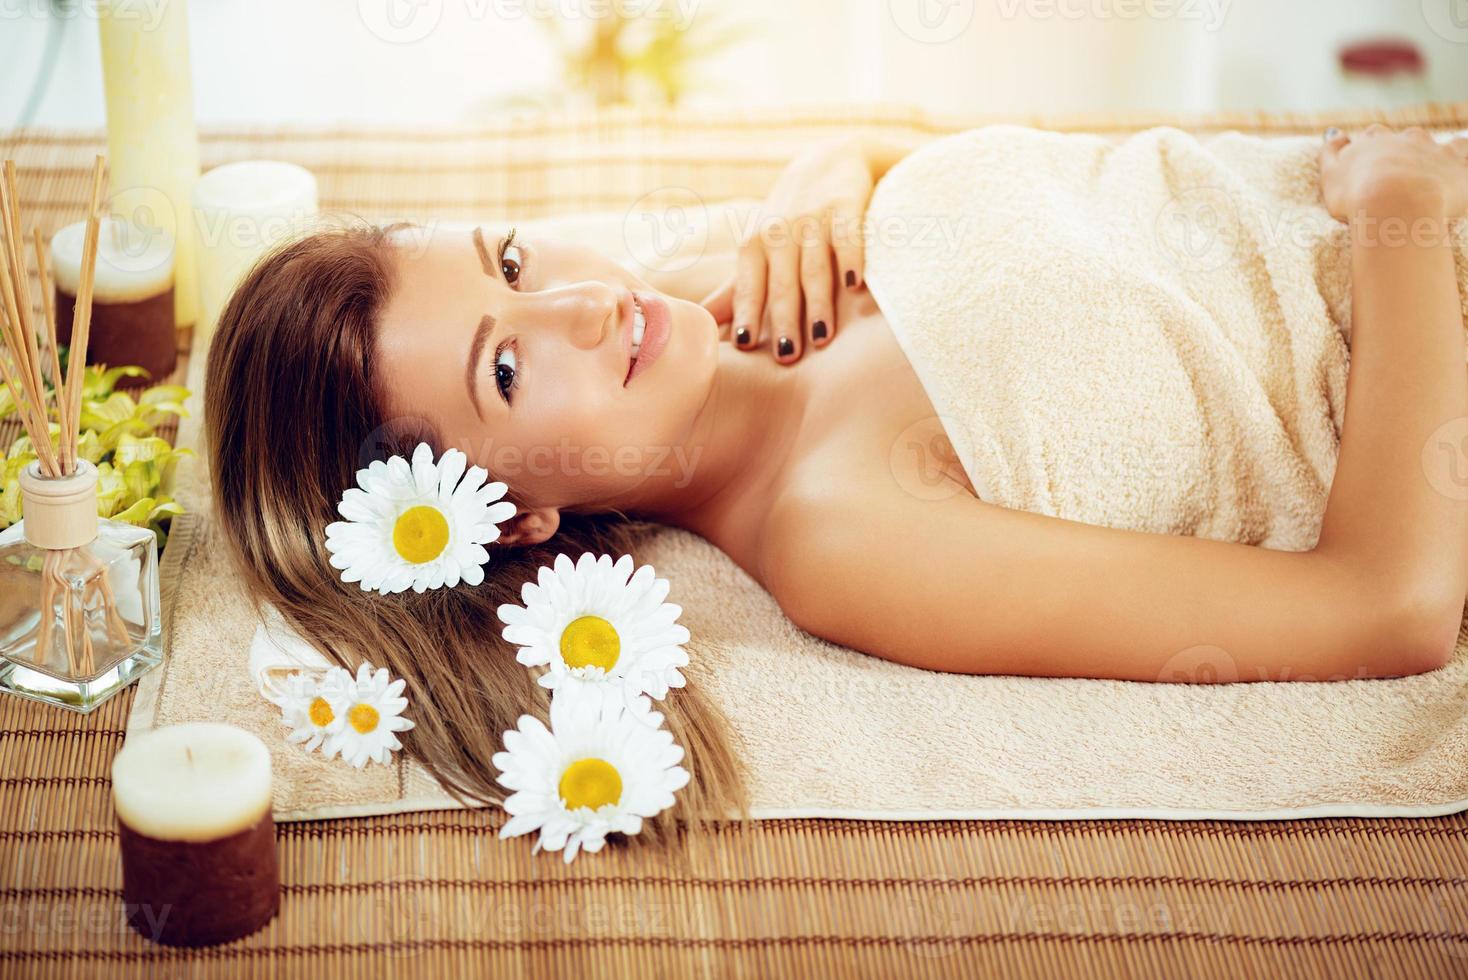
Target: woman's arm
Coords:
[(971, 588), (959, 586), (1407, 374)]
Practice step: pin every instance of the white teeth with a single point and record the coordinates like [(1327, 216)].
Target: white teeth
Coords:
[(639, 326)]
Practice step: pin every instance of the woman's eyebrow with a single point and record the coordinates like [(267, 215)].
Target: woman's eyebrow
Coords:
[(483, 250), (471, 367), (482, 331)]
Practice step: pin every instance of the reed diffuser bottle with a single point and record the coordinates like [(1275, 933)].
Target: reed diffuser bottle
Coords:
[(79, 603)]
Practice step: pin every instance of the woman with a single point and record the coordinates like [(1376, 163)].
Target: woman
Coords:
[(595, 396)]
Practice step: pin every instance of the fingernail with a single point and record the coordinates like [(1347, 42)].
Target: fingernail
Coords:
[(1331, 133), (741, 336), (786, 347), (850, 278), (818, 330)]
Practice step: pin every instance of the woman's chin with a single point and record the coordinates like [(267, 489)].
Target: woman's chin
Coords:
[(695, 330)]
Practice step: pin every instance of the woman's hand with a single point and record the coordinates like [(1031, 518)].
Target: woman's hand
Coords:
[(805, 245), (1380, 171)]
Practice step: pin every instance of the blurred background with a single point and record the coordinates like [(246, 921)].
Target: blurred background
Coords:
[(458, 62)]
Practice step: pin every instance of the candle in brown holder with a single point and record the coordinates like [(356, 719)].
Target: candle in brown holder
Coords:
[(132, 298), (198, 840)]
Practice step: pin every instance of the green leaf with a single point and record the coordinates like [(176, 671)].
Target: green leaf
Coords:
[(112, 435), (131, 449), (116, 407), (99, 384), (137, 513), (164, 395), (89, 447)]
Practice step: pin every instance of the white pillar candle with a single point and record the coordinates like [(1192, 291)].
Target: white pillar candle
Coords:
[(241, 211), (198, 840), (132, 294), (152, 142)]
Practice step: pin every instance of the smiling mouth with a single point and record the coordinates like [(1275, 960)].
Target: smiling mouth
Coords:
[(648, 336), (639, 328)]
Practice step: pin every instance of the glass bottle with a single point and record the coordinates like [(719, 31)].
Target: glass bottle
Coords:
[(79, 603)]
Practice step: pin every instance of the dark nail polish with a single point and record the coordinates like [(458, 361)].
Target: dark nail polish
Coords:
[(818, 330), (850, 278), (786, 347), (741, 337)]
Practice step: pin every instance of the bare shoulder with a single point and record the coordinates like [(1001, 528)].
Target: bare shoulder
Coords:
[(824, 539)]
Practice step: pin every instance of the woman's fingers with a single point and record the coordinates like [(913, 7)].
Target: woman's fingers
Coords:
[(749, 295), (845, 232), (816, 283), (782, 301)]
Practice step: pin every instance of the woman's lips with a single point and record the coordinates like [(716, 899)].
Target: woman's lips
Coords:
[(657, 325)]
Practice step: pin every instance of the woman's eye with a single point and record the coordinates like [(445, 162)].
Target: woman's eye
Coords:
[(504, 371), (511, 262)]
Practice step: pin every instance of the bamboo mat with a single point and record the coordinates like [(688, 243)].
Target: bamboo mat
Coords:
[(435, 894)]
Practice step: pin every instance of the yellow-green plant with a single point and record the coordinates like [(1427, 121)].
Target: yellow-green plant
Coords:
[(135, 467)]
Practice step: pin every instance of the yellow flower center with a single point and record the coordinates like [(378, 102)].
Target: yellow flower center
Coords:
[(321, 713), (590, 783), (363, 717), (420, 534), (590, 642)]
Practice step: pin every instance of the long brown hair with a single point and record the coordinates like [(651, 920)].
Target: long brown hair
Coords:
[(291, 412)]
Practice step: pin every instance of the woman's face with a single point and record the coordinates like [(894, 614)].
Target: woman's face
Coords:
[(521, 353)]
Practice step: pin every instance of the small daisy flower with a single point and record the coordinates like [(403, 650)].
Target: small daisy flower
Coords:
[(599, 625), (596, 770), (309, 707), (371, 712), (417, 526)]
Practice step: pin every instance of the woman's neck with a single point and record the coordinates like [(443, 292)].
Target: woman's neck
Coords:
[(737, 446)]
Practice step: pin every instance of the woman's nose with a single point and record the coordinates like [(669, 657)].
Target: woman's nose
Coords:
[(585, 312)]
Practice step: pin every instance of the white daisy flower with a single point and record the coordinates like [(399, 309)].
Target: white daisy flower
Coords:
[(601, 627), (310, 709), (598, 769), (371, 711), (417, 526)]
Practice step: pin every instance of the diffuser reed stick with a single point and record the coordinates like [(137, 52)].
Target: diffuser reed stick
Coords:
[(24, 371), (21, 358)]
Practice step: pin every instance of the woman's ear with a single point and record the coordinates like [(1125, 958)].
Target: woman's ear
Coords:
[(530, 527)]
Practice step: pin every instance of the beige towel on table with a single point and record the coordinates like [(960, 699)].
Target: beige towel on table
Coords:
[(1095, 357)]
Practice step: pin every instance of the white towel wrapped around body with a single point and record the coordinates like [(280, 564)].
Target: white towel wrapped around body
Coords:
[(1147, 334)]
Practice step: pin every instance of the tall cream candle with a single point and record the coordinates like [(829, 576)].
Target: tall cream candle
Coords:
[(152, 142), (241, 211)]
